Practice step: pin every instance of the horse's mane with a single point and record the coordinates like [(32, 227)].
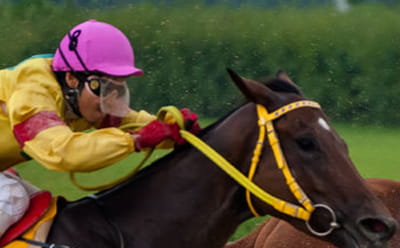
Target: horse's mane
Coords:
[(274, 84)]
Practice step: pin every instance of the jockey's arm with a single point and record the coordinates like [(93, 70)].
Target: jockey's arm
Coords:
[(57, 147)]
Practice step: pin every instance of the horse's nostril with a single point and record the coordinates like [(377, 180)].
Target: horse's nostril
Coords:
[(378, 229), (373, 225)]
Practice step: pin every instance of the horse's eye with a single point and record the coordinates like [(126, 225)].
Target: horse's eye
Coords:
[(306, 143)]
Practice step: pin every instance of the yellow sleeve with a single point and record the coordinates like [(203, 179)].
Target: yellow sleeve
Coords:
[(58, 148)]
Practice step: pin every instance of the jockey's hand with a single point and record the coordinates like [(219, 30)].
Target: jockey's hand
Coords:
[(154, 133), (190, 119)]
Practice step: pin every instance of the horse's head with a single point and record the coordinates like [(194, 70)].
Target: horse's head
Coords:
[(343, 210)]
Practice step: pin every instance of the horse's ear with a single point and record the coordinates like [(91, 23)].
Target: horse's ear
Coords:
[(284, 77), (254, 91)]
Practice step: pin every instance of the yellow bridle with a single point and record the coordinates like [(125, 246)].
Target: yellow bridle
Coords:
[(265, 124)]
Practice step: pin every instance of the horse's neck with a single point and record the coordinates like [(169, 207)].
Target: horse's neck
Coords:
[(189, 199)]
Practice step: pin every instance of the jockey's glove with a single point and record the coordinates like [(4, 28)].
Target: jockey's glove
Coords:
[(154, 133), (191, 122), (157, 131)]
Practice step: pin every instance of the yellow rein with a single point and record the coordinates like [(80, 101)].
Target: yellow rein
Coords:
[(265, 124)]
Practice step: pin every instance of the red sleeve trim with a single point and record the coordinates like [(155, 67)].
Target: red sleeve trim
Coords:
[(28, 129)]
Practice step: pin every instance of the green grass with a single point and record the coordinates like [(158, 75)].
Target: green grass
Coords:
[(373, 150)]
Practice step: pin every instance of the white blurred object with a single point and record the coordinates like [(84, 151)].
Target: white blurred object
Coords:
[(342, 5), (14, 200)]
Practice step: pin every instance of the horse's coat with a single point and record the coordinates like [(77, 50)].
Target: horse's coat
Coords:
[(275, 233), (185, 200)]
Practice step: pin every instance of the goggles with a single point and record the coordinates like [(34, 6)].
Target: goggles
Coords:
[(113, 94)]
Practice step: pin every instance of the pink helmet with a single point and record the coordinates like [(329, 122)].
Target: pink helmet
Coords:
[(96, 46)]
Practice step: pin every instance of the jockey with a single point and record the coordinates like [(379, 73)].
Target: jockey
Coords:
[(46, 102)]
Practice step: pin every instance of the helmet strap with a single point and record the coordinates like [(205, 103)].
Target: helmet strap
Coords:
[(72, 94), (71, 97)]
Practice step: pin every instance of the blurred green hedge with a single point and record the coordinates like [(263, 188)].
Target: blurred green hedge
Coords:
[(349, 62)]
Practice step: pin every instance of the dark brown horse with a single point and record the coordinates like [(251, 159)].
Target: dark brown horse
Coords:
[(279, 234), (185, 200)]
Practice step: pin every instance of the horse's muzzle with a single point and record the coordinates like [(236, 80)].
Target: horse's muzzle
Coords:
[(377, 230)]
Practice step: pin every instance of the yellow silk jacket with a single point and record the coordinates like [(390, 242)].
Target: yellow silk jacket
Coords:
[(32, 120)]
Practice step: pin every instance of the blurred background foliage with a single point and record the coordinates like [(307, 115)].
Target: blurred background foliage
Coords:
[(347, 61)]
